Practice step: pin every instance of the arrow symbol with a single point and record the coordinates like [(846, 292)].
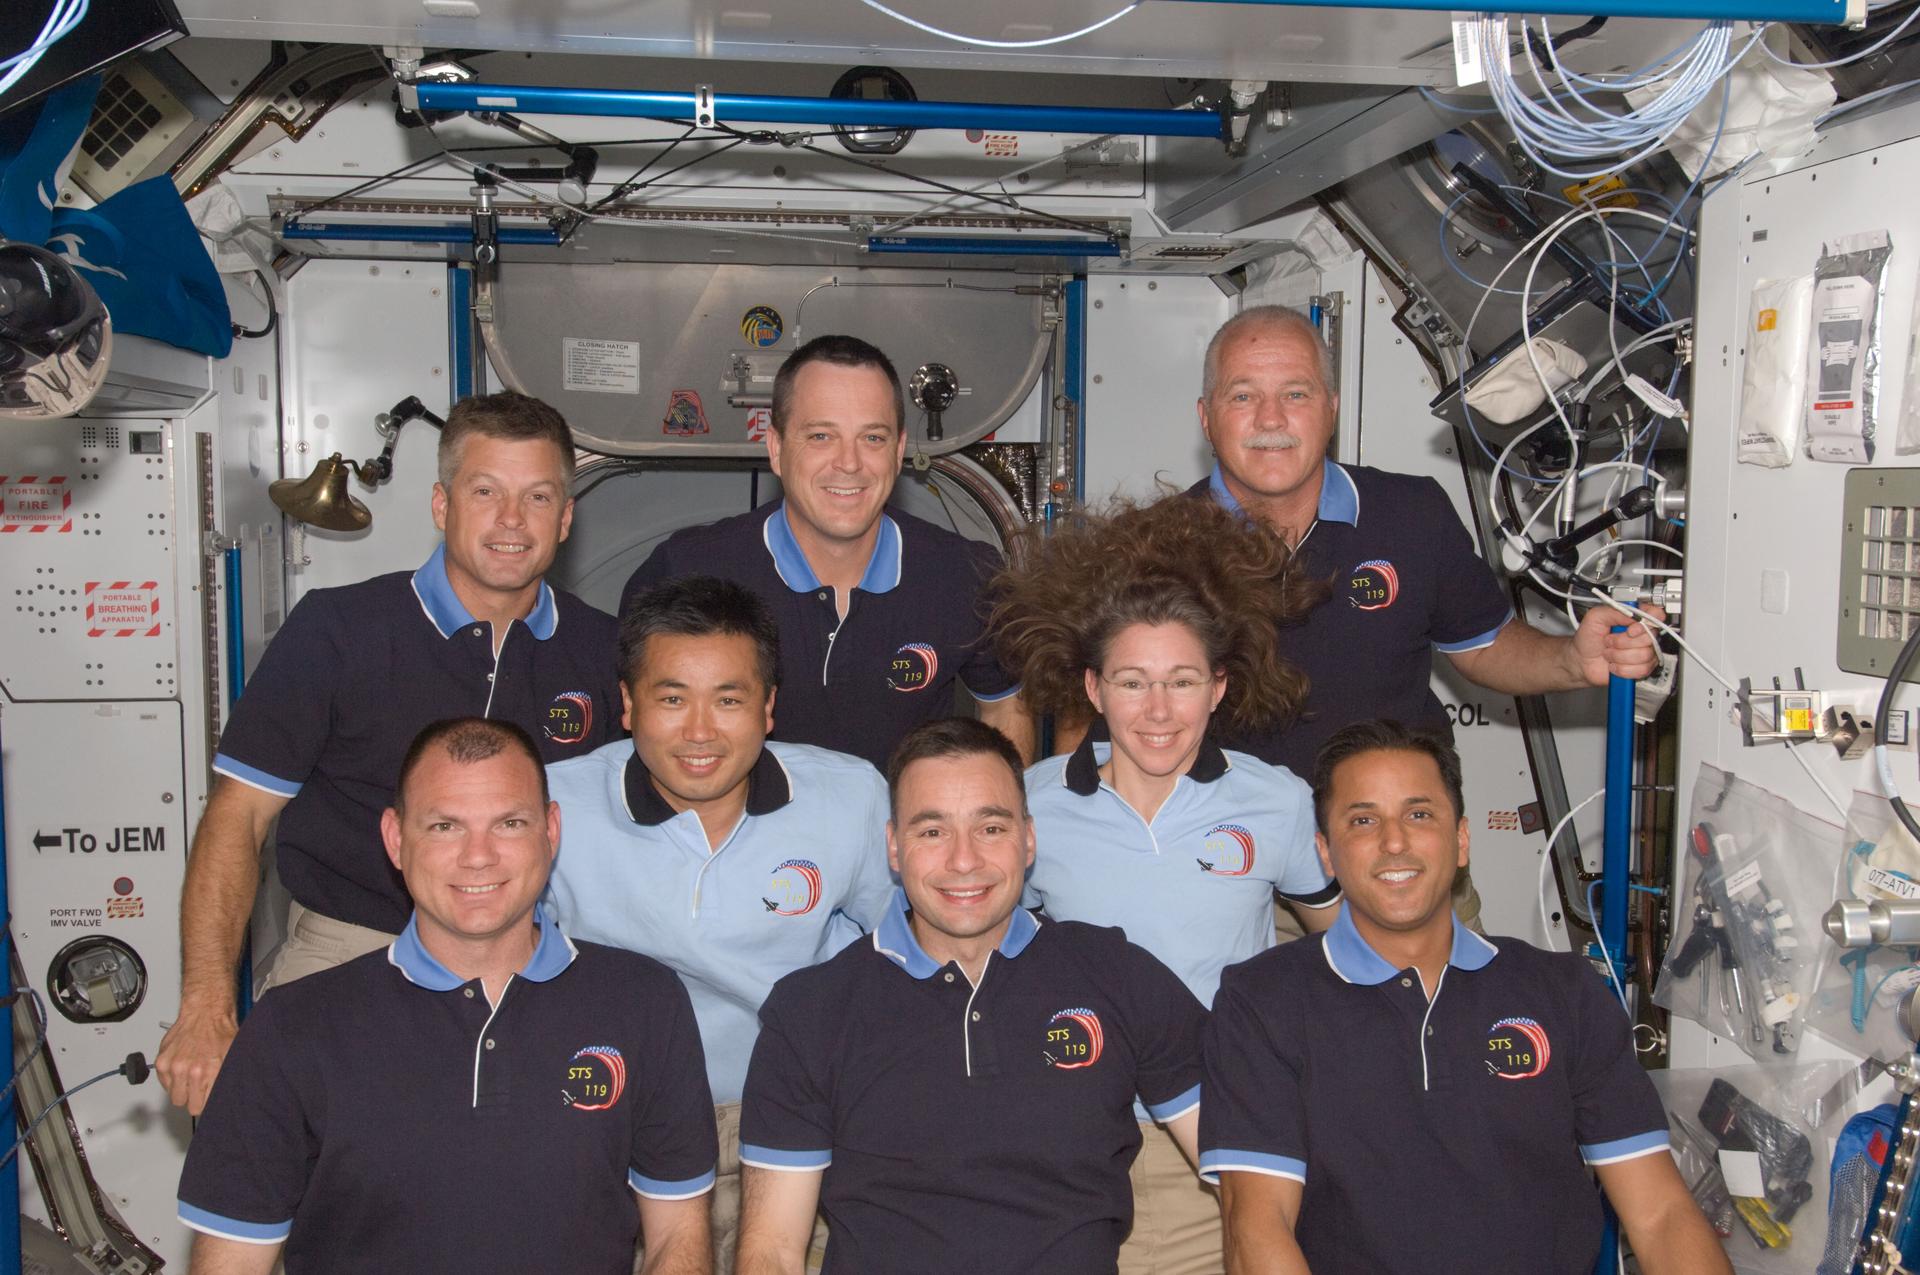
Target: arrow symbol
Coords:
[(45, 840)]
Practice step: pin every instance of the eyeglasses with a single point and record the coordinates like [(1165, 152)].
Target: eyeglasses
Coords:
[(1137, 688)]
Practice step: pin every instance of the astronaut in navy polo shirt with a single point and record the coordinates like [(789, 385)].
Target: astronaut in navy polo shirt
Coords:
[(1400, 1094), (349, 679), (729, 858), (486, 1095), (880, 613), (1165, 618), (956, 1093)]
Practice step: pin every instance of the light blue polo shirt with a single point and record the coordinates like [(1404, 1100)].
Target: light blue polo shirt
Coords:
[(803, 874), (1195, 886)]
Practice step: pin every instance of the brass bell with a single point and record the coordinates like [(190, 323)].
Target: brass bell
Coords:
[(321, 498)]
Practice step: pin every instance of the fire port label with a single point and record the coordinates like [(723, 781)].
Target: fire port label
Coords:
[(123, 608), (35, 503)]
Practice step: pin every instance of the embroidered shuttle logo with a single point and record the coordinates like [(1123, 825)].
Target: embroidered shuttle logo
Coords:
[(1074, 1040)]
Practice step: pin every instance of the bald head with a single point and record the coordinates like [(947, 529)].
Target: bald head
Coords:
[(1265, 319)]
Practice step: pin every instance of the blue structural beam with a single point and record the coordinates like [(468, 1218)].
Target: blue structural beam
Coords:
[(1820, 12), (449, 232), (1018, 246), (1616, 866), (524, 99)]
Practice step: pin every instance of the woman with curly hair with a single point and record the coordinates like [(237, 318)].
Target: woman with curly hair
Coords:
[(1163, 619)]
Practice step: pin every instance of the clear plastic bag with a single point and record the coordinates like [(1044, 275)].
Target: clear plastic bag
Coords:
[(1745, 953), (1755, 1167), (1857, 1002)]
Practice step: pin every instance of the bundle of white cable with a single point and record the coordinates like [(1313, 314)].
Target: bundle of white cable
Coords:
[(1563, 127), (65, 17)]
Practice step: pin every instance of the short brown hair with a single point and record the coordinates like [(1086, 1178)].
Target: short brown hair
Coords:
[(953, 737), (841, 351), (508, 415), (1384, 735), (468, 741)]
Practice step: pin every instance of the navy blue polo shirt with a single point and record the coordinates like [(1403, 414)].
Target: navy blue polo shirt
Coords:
[(801, 875), (1428, 1134), (383, 1116), (968, 1128), (915, 625), (352, 677), (1406, 583)]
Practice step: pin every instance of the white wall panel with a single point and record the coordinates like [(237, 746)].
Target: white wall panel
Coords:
[(1145, 341)]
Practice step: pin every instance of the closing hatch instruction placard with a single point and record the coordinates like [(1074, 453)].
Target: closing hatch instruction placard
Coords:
[(600, 367)]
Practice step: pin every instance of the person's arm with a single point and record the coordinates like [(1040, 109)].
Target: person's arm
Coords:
[(1314, 920), (1669, 1234), (678, 1235), (1010, 717), (1069, 733), (223, 871), (1524, 661), (1259, 1211), (215, 1256), (776, 1220)]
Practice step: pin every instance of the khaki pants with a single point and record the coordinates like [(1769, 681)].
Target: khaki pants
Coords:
[(1466, 906), (316, 943), (726, 1197), (1176, 1216)]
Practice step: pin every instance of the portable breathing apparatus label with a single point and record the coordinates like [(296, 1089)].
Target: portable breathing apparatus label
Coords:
[(122, 608), (33, 503), (1745, 879), (600, 367)]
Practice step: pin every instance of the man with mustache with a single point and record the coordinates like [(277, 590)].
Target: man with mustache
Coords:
[(1406, 580)]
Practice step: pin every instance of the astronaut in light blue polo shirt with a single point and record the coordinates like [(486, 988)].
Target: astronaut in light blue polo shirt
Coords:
[(1181, 845), (733, 860)]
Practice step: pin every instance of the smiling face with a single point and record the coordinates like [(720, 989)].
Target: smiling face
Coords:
[(838, 451), (961, 843), (699, 713), (1156, 688), (1270, 414), (505, 512), (475, 844), (1394, 841)]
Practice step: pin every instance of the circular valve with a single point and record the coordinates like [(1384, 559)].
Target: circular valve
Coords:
[(97, 980), (934, 387)]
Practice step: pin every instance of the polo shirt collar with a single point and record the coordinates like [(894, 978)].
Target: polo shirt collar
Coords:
[(768, 789), (1339, 498), (552, 953), (893, 937), (1354, 961), (883, 568), (1082, 774), (450, 615)]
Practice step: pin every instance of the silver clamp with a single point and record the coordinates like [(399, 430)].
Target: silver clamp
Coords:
[(703, 106)]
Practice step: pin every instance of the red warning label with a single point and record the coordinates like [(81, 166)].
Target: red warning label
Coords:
[(123, 608), (1002, 145), (759, 421), (31, 502)]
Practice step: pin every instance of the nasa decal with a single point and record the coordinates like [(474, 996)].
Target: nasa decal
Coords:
[(1074, 1040), (762, 326), (913, 667), (569, 718), (596, 1077), (1517, 1049), (795, 889), (1227, 851), (1373, 585)]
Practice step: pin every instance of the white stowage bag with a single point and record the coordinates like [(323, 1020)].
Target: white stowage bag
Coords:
[(1773, 387), (1771, 113), (1511, 391)]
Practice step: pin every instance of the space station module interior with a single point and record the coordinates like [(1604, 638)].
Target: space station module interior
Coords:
[(1637, 283)]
